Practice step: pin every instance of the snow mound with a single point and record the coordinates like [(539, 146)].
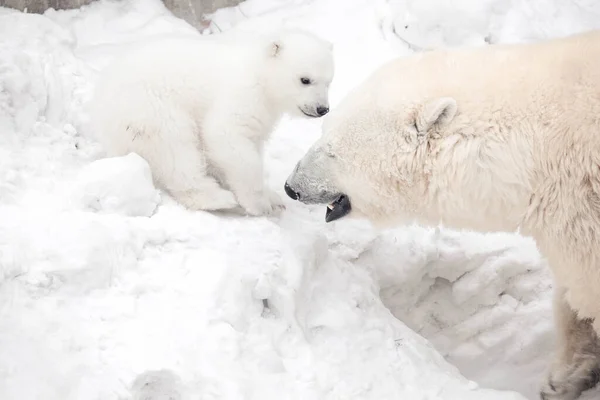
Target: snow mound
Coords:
[(36, 62), (429, 24), (157, 385), (121, 185), (71, 251), (472, 302), (420, 25)]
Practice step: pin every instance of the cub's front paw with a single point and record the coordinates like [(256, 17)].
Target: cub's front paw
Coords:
[(276, 201), (268, 203), (212, 201)]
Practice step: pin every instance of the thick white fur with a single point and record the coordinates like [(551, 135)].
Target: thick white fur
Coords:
[(490, 139), (200, 109)]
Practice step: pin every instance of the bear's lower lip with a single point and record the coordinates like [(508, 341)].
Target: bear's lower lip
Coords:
[(307, 114), (338, 209)]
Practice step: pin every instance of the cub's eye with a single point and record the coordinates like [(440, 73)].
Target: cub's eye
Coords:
[(305, 81)]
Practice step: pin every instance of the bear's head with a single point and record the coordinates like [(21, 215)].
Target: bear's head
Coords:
[(371, 164), (301, 70)]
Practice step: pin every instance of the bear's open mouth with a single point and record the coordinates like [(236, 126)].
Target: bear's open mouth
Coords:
[(338, 208)]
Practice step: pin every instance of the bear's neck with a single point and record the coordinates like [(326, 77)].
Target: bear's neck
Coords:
[(479, 183)]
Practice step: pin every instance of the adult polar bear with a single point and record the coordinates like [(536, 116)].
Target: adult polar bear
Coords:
[(490, 139), (200, 109)]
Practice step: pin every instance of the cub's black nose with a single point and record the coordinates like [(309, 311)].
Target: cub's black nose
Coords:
[(322, 110), (290, 192)]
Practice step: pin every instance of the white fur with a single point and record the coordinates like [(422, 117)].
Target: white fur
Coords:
[(490, 139), (200, 109)]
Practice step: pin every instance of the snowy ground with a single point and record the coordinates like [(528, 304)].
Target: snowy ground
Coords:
[(104, 279)]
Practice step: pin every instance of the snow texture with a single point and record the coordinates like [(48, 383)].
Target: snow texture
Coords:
[(111, 290), (121, 185)]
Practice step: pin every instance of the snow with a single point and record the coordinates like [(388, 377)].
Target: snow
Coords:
[(121, 185), (111, 290)]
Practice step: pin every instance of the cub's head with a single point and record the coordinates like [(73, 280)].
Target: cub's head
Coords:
[(301, 70), (371, 163)]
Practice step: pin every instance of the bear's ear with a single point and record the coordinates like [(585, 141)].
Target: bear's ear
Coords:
[(274, 48), (437, 112)]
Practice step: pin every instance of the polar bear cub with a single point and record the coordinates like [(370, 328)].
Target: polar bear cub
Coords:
[(199, 110)]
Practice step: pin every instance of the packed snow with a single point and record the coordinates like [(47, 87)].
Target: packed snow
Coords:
[(111, 290)]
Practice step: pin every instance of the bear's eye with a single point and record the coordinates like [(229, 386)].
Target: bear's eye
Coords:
[(305, 81)]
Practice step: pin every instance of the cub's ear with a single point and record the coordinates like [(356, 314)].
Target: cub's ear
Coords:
[(274, 48), (437, 112)]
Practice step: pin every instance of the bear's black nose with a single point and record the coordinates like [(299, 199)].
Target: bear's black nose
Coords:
[(290, 192), (322, 110)]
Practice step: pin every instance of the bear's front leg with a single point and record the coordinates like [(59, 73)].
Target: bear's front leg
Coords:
[(239, 159), (577, 364)]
